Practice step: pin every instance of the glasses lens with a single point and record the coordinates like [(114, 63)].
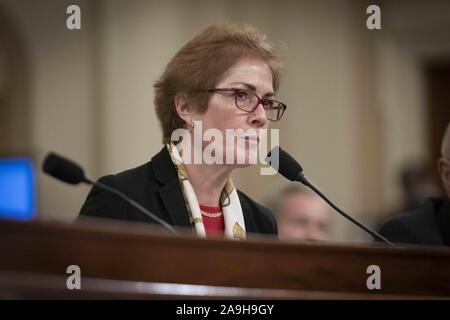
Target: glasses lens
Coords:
[(246, 100), (274, 110)]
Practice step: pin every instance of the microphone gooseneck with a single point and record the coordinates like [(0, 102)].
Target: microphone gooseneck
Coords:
[(288, 167)]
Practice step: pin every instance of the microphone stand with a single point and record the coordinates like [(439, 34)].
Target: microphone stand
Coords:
[(301, 178)]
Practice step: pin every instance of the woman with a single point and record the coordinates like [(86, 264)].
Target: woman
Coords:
[(225, 78)]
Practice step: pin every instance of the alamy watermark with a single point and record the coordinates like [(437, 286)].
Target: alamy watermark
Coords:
[(373, 22), (232, 147), (73, 281), (73, 20), (373, 282)]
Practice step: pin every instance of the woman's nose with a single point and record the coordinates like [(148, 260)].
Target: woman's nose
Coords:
[(258, 117)]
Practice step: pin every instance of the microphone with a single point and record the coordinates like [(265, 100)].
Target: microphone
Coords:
[(288, 167), (64, 169), (68, 171)]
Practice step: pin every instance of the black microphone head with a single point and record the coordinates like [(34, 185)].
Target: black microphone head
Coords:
[(63, 169), (282, 161)]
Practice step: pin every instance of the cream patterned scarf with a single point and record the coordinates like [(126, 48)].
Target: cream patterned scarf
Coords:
[(229, 202)]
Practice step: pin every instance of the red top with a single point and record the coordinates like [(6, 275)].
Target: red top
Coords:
[(213, 226)]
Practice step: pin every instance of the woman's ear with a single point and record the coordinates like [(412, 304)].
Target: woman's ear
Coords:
[(184, 108)]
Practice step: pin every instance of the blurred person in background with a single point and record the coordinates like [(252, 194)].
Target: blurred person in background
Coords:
[(301, 215), (417, 185), (429, 223)]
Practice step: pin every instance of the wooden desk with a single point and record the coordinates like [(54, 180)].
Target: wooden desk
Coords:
[(124, 260)]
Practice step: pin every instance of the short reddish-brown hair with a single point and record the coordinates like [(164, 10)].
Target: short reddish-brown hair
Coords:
[(200, 64)]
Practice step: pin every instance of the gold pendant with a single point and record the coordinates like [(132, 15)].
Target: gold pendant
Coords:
[(238, 232)]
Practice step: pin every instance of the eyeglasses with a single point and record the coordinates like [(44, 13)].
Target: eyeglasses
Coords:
[(248, 101)]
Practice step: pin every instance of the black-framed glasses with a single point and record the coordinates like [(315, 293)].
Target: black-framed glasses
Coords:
[(248, 101)]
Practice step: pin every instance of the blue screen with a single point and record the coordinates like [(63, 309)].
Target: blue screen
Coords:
[(17, 189)]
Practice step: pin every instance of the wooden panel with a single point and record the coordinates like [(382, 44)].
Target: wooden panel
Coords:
[(130, 252), (41, 286)]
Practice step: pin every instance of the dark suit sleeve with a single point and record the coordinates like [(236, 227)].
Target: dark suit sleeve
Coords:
[(268, 223), (103, 204), (398, 231)]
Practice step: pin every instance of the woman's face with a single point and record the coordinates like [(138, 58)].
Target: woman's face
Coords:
[(250, 74)]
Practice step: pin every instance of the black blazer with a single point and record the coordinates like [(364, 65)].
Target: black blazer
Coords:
[(429, 224), (155, 186)]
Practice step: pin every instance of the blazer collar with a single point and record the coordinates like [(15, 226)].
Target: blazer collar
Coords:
[(171, 195), (163, 168)]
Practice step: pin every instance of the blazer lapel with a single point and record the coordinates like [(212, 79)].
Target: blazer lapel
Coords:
[(248, 218), (170, 193), (174, 203)]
